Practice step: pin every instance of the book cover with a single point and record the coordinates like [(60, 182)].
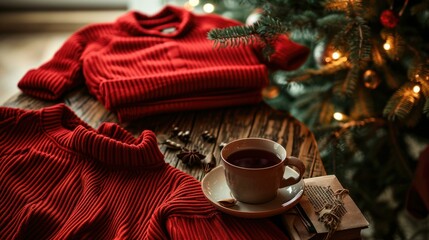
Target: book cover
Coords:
[(302, 222)]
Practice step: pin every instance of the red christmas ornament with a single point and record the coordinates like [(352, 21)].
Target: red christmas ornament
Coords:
[(389, 19)]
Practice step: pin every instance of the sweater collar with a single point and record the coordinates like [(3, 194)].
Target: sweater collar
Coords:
[(169, 22), (109, 144)]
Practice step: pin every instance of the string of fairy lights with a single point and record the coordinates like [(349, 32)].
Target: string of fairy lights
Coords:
[(337, 55)]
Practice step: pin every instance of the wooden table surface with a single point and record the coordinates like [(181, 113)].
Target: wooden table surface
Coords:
[(225, 124)]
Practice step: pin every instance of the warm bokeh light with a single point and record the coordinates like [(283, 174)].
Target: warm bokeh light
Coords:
[(270, 92), (416, 89), (194, 3), (208, 8), (336, 55), (338, 116), (387, 46)]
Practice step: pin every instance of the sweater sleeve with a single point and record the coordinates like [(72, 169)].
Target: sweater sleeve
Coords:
[(287, 55), (189, 215), (63, 72), (221, 226)]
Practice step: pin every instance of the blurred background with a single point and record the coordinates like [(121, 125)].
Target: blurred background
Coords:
[(31, 31)]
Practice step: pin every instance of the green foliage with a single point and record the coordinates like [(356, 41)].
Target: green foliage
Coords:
[(347, 87), (400, 104), (396, 42), (265, 30), (379, 116), (328, 25)]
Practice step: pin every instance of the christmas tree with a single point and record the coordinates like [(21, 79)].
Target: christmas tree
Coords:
[(364, 91)]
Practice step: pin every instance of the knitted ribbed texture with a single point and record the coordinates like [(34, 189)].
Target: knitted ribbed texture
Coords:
[(134, 64), (61, 179)]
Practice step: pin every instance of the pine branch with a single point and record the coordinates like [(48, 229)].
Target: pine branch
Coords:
[(303, 26), (334, 67), (347, 6), (397, 43), (357, 124), (360, 51), (233, 36), (329, 23), (353, 38), (348, 86), (414, 117), (400, 104), (419, 73), (264, 30)]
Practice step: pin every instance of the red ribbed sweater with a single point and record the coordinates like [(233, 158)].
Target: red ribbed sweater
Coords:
[(61, 179), (135, 68)]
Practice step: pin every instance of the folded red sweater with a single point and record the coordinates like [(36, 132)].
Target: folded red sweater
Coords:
[(62, 179), (142, 65)]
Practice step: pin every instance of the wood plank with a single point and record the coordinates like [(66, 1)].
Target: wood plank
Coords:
[(26, 102), (226, 124), (209, 121)]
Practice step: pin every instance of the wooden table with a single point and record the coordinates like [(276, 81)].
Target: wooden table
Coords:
[(225, 124)]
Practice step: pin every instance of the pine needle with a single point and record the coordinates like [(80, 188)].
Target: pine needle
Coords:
[(264, 31), (400, 104), (348, 86)]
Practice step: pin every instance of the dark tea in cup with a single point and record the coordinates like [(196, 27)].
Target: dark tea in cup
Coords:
[(254, 169), (253, 158)]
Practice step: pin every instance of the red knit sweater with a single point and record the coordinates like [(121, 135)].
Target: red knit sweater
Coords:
[(61, 179), (136, 68)]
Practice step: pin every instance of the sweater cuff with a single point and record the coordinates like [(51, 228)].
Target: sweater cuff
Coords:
[(221, 226), (288, 55), (43, 84)]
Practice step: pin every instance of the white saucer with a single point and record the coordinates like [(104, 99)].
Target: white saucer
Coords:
[(215, 188)]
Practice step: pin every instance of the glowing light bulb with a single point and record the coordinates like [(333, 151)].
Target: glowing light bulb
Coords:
[(208, 8), (338, 116), (387, 46), (336, 55), (416, 89), (194, 3)]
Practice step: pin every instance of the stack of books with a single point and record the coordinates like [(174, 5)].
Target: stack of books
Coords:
[(302, 220)]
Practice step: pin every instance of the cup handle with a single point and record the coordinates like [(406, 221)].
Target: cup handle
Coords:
[(293, 161)]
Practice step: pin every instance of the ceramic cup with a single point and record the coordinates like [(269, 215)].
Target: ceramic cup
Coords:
[(254, 169)]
